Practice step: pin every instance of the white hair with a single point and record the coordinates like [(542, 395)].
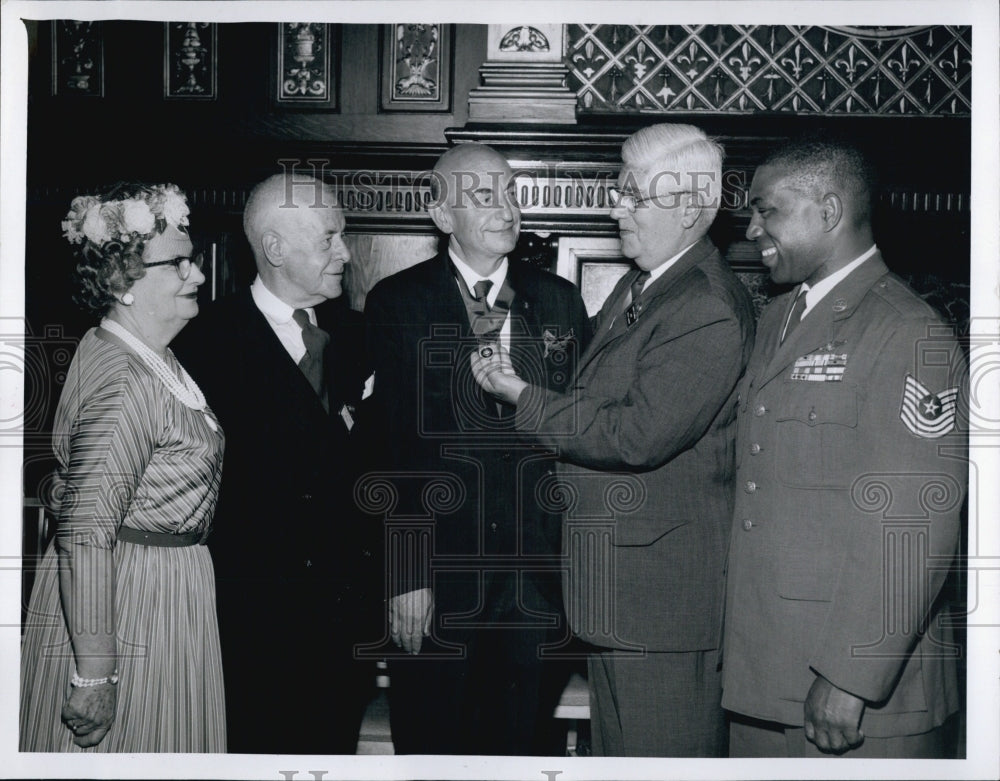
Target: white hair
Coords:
[(685, 154)]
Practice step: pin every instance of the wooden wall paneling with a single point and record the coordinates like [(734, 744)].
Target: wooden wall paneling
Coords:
[(375, 256), (190, 60), (415, 65), (306, 66), (360, 71), (77, 58)]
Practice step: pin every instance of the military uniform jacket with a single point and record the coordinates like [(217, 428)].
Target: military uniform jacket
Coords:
[(646, 437), (850, 482)]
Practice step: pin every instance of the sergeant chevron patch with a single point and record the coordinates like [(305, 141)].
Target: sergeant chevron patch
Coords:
[(926, 414)]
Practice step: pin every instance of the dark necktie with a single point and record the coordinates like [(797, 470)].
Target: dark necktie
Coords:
[(484, 325), (638, 285), (481, 290), (315, 340), (630, 309), (796, 315)]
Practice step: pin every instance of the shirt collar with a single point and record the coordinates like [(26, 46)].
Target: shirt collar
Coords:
[(470, 276), (816, 293), (659, 271), (273, 307)]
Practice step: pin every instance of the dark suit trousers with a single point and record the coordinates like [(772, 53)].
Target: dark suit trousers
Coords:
[(659, 705), (292, 684), (496, 698)]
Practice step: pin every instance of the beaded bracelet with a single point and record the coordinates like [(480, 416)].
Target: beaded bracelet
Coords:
[(85, 683)]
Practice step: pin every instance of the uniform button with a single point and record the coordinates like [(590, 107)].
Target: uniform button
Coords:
[(812, 415), (754, 449), (751, 486), (747, 524), (493, 526), (759, 410)]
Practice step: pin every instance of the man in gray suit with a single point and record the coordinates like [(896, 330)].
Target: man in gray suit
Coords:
[(646, 435)]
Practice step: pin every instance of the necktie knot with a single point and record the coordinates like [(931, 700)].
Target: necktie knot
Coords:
[(315, 340), (639, 284), (301, 316), (481, 290)]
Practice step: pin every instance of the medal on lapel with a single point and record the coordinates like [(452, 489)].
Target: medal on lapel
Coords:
[(632, 314)]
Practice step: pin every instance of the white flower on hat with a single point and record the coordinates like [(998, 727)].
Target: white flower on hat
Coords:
[(70, 233), (125, 220), (94, 226), (137, 217), (175, 209)]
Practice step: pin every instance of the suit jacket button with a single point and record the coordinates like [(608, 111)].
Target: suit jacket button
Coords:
[(751, 486), (754, 449), (759, 410), (493, 526), (747, 524)]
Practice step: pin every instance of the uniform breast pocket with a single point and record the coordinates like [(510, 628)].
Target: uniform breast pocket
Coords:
[(817, 434)]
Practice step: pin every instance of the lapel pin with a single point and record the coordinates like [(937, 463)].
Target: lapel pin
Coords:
[(839, 305)]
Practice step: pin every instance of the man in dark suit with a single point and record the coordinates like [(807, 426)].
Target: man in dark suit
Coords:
[(852, 473), (646, 442), (280, 364), (473, 577)]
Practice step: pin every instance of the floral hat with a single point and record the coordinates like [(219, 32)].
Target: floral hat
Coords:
[(139, 216)]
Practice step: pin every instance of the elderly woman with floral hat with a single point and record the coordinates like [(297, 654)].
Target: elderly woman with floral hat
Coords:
[(121, 646)]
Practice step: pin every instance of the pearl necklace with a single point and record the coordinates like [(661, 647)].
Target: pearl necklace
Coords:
[(184, 389)]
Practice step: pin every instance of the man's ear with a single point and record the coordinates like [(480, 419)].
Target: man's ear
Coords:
[(831, 210), (692, 207), (274, 248), (441, 215)]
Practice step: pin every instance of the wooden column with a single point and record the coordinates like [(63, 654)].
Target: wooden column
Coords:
[(523, 78)]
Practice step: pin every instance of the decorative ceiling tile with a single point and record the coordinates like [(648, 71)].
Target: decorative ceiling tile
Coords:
[(789, 69)]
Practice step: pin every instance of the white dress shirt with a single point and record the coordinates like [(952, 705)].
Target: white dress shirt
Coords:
[(659, 271), (470, 277), (655, 274), (279, 316)]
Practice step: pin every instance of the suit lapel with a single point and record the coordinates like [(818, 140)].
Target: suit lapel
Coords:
[(654, 296), (445, 302), (819, 327), (270, 353), (525, 327)]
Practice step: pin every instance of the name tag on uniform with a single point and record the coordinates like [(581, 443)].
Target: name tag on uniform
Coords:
[(821, 366)]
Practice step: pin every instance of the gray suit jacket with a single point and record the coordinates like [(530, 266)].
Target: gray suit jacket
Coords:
[(646, 435)]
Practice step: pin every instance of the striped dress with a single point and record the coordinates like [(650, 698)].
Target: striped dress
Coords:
[(130, 453)]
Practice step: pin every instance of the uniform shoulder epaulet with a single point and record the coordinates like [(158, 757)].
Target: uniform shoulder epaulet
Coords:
[(901, 297)]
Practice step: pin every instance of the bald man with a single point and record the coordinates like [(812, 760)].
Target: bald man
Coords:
[(477, 612), (281, 363)]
